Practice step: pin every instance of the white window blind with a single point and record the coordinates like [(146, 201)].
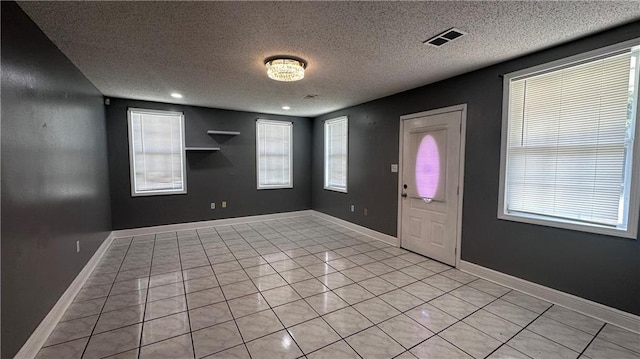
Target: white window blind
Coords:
[(336, 135), (274, 147), (569, 142), (156, 152)]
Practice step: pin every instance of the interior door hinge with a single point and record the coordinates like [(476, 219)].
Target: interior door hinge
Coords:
[(458, 191)]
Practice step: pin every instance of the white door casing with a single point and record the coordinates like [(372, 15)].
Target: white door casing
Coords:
[(431, 157)]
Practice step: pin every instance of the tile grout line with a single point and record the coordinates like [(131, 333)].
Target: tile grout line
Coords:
[(568, 325), (332, 290), (144, 313), (437, 334), (571, 327), (107, 298), (635, 351), (90, 315), (378, 296), (320, 316), (301, 298), (292, 288), (592, 340), (225, 300), (233, 317), (280, 320), (521, 330), (167, 315), (184, 287), (337, 271)]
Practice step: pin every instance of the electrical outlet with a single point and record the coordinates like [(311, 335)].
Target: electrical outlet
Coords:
[(224, 204), (353, 208), (77, 246), (366, 212), (213, 205)]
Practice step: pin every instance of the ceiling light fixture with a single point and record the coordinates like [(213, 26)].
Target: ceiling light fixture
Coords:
[(286, 108), (285, 68), (176, 95)]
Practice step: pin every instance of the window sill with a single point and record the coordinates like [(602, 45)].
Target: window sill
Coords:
[(157, 193), (274, 187), (336, 189), (630, 233)]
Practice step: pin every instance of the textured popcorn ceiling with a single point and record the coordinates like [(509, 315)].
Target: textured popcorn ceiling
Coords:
[(213, 52)]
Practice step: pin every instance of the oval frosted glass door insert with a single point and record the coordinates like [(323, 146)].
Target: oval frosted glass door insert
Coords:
[(430, 163), (427, 167)]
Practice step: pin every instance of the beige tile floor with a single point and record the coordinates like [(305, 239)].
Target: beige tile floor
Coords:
[(305, 287)]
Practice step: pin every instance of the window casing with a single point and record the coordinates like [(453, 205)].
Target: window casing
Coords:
[(274, 154), (156, 152), (569, 158), (336, 154)]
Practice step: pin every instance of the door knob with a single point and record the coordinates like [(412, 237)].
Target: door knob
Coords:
[(404, 195)]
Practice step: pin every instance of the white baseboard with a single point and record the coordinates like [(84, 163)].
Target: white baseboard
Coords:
[(599, 311), (248, 219), (360, 229), (204, 224), (39, 336)]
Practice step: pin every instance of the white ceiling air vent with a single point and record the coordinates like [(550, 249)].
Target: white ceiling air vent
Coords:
[(445, 37)]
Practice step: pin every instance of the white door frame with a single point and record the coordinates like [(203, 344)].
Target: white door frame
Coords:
[(463, 138)]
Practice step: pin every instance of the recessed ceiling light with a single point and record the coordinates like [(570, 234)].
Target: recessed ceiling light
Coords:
[(284, 68), (176, 95), (286, 108)]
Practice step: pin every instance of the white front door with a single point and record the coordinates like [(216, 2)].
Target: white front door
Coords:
[(429, 184)]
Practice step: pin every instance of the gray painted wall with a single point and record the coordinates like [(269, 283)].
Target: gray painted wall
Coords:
[(55, 187), (600, 268), (228, 175)]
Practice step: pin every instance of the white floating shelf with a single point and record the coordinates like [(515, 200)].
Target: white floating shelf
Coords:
[(216, 132), (202, 148)]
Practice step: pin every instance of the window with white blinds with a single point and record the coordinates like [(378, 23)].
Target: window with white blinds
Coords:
[(568, 154), (274, 153), (336, 144), (156, 152)]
